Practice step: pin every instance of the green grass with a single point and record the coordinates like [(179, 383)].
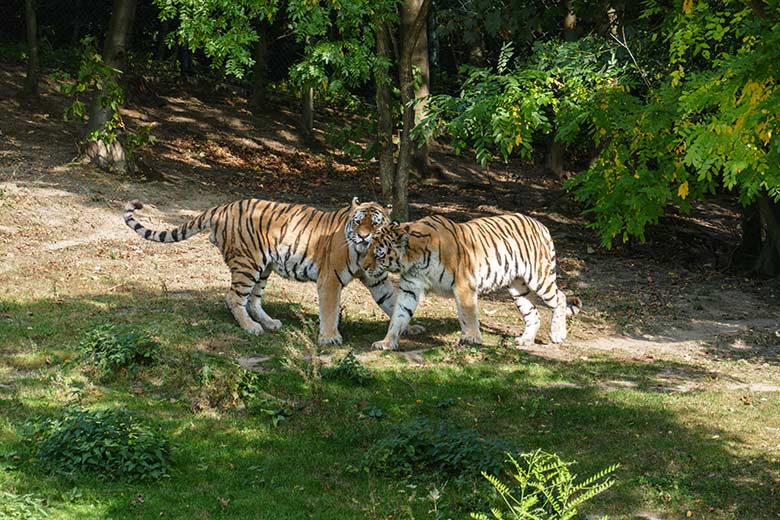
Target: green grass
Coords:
[(704, 451)]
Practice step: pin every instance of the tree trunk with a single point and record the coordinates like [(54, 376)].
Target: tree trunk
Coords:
[(409, 36), (384, 113), (768, 261), (554, 154), (307, 108), (111, 155), (556, 151), (260, 71), (33, 61), (307, 118), (420, 62)]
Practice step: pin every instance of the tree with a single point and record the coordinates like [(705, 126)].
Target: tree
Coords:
[(418, 14), (33, 61), (421, 65), (707, 126), (102, 148)]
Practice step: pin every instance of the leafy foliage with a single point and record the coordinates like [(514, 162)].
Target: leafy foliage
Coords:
[(21, 507), (348, 369), (444, 450), (258, 401), (707, 125), (94, 77), (110, 349), (544, 488), (508, 110), (113, 444)]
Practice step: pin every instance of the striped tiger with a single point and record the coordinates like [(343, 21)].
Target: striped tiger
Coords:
[(464, 260), (298, 242)]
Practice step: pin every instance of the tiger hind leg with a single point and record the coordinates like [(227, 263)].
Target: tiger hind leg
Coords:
[(241, 286), (519, 292), (255, 306)]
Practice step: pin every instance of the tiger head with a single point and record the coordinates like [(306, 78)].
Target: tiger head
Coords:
[(386, 252), (363, 221)]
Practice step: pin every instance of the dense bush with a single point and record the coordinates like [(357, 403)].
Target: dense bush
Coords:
[(113, 444), (111, 349), (348, 369), (543, 488), (441, 450)]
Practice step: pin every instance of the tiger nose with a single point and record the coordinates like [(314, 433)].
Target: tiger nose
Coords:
[(363, 237)]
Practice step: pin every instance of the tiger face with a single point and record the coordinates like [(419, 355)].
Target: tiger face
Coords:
[(363, 221), (386, 251)]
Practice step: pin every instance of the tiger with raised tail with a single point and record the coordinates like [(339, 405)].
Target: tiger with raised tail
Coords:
[(257, 237), (464, 260)]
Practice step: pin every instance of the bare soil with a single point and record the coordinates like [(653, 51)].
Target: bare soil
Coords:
[(62, 234)]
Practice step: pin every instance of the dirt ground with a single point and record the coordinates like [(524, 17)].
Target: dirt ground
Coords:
[(62, 233)]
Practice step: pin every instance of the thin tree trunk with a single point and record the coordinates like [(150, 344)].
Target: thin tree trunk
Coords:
[(420, 62), (406, 83), (307, 108), (556, 151), (768, 262), (260, 71), (111, 155), (33, 61), (384, 114)]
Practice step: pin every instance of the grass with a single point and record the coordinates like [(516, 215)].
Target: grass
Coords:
[(707, 451)]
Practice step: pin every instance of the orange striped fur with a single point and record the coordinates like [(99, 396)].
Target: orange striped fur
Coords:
[(464, 260), (257, 237)]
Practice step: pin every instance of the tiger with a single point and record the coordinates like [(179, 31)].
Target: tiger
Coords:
[(465, 259), (258, 237)]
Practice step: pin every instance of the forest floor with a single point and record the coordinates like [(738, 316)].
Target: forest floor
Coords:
[(672, 368)]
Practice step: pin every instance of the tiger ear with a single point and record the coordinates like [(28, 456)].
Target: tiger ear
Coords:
[(355, 201), (389, 207)]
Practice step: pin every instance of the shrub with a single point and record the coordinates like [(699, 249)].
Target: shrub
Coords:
[(444, 451), (543, 488), (22, 507), (111, 349), (113, 444), (348, 369), (260, 402)]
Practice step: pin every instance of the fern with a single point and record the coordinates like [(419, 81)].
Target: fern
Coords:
[(544, 488)]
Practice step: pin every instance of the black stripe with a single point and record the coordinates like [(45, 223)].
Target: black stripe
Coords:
[(407, 310), (410, 293), (379, 282), (162, 236), (137, 226), (383, 299), (148, 234), (339, 278)]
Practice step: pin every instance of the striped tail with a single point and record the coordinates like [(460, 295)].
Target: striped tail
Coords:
[(573, 306), (183, 232)]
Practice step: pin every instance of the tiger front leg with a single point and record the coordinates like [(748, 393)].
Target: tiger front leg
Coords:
[(407, 299), (329, 288), (468, 314), (383, 292)]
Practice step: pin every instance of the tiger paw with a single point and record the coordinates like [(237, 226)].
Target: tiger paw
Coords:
[(329, 340), (255, 329), (523, 341), (470, 340), (414, 330), (272, 324), (384, 345), (557, 338)]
